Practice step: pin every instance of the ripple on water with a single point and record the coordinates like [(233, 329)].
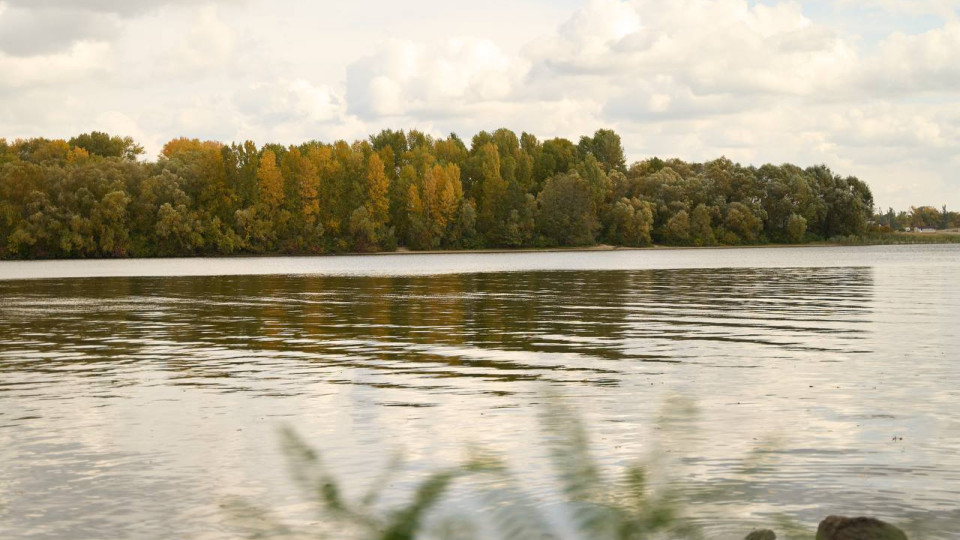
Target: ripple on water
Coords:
[(131, 406)]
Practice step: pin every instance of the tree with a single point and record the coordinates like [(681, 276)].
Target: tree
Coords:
[(269, 182), (465, 235), (376, 191), (677, 230), (110, 224), (301, 202), (419, 234), (796, 228), (605, 146), (363, 229), (742, 223), (492, 191), (90, 197), (566, 212), (701, 230), (433, 207), (178, 231), (556, 156), (102, 144), (631, 222), (925, 217)]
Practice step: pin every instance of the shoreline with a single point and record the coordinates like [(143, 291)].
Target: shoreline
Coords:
[(478, 251), (482, 251), (584, 249)]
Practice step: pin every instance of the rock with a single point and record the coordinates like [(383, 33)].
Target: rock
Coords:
[(761, 534), (858, 528)]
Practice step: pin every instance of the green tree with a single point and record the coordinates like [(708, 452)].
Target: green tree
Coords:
[(492, 196), (742, 223), (566, 213), (178, 231), (102, 144), (701, 228), (631, 223), (677, 230), (796, 228), (110, 224), (606, 147)]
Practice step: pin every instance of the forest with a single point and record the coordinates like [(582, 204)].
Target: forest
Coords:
[(93, 196)]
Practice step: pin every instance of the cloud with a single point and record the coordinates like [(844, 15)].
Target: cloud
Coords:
[(208, 43), (921, 63), (295, 101), (945, 9), (81, 61), (724, 46), (123, 8), (39, 27), (403, 78), (28, 32), (870, 91)]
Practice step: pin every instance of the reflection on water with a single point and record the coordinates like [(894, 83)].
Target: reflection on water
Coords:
[(130, 407)]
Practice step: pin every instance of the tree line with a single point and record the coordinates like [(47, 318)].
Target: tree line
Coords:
[(918, 217), (90, 196)]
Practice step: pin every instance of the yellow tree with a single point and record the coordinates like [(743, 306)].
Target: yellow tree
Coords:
[(321, 156), (204, 175), (376, 197), (301, 175), (443, 193), (270, 182)]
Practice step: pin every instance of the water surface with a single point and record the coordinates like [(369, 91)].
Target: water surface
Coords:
[(133, 404)]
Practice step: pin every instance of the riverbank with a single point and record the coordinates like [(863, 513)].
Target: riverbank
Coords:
[(872, 240), (478, 251), (598, 247)]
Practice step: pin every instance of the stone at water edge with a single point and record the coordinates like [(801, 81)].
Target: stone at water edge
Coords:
[(762, 534), (858, 528)]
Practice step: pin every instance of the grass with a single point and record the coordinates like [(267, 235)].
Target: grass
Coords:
[(595, 505), (898, 238)]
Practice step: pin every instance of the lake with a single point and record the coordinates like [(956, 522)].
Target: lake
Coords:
[(138, 397)]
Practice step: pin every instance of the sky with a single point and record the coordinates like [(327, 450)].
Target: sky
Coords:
[(871, 88)]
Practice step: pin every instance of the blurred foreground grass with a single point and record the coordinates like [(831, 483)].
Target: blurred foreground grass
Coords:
[(594, 506)]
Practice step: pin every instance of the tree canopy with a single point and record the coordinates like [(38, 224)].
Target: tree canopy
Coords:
[(90, 196)]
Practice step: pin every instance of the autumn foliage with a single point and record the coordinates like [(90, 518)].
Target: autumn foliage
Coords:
[(91, 197)]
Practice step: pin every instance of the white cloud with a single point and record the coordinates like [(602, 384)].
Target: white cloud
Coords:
[(717, 47), (403, 77), (920, 63), (291, 102), (208, 43), (39, 27), (81, 61), (946, 9), (27, 32), (774, 81), (125, 8)]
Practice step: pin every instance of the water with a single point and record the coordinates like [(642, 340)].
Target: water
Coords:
[(134, 406)]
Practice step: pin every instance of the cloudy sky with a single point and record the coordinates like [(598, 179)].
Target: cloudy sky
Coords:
[(869, 87)]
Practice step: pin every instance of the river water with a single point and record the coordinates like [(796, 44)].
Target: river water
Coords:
[(139, 397)]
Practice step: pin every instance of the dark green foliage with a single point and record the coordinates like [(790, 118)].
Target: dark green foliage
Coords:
[(89, 197), (605, 146), (567, 216), (97, 143), (629, 222)]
